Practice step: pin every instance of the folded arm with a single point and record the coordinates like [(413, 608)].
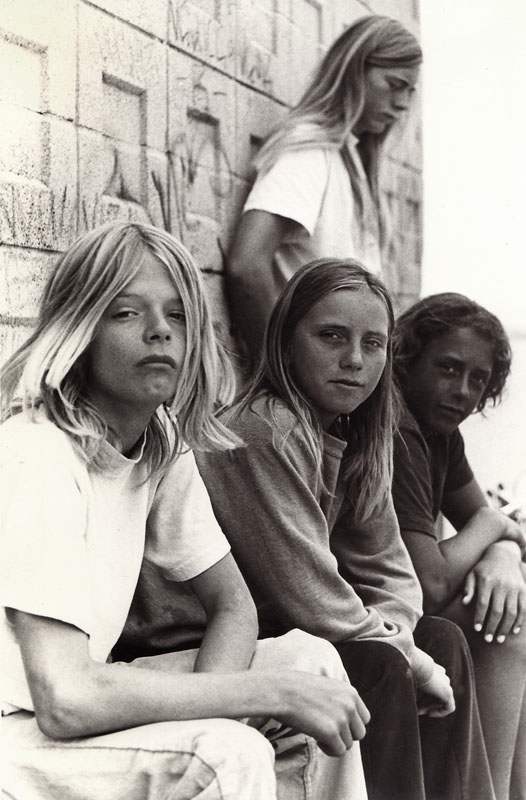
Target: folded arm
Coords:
[(76, 696)]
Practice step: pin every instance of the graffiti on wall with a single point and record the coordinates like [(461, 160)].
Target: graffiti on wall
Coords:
[(228, 46)]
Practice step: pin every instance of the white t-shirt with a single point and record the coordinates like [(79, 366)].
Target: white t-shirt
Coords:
[(312, 187), (72, 539)]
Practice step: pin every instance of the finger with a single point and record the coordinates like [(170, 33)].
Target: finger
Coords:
[(521, 611), (469, 588), (362, 711), (357, 728), (509, 616), (494, 615), (332, 745), (348, 737), (482, 604)]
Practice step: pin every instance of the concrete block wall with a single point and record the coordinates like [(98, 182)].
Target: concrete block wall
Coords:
[(151, 110)]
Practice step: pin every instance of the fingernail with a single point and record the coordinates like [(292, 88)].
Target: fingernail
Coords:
[(465, 600), (517, 629), (501, 639), (488, 637), (478, 627)]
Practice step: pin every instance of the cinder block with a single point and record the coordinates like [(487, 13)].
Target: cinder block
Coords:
[(23, 273), (149, 16), (121, 71), (201, 34), (39, 212), (41, 75)]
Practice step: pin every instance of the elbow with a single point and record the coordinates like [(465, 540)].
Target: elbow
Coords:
[(436, 594), (65, 710), (58, 717)]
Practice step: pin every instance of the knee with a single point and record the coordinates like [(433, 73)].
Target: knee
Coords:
[(447, 645), (232, 746), (308, 653), (378, 665)]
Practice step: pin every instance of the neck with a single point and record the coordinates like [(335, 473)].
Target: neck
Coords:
[(128, 424)]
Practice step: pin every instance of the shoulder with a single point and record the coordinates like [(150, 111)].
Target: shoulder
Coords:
[(409, 439), (264, 420), (34, 439)]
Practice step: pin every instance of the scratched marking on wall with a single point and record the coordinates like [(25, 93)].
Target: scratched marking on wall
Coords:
[(228, 46)]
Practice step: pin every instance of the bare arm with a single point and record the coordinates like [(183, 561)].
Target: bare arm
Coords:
[(443, 566), (75, 696), (232, 626), (251, 287)]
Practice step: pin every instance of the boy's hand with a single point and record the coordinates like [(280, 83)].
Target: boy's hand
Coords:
[(497, 584), (435, 696), (330, 711)]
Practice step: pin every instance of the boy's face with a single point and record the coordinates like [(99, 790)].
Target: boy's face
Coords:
[(448, 379)]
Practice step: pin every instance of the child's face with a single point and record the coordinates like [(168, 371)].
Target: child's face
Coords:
[(387, 96), (449, 378), (139, 345), (338, 351)]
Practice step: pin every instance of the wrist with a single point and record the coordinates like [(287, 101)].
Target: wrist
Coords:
[(509, 546), (422, 666)]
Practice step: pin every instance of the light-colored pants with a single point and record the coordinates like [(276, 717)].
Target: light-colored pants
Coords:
[(210, 759)]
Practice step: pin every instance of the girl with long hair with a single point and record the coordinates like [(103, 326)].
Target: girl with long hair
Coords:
[(317, 191), (306, 505), (452, 359), (101, 407)]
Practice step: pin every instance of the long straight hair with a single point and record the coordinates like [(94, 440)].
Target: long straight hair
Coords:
[(332, 104), (368, 430), (51, 367)]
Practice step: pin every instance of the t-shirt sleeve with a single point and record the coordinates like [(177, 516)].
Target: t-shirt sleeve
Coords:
[(293, 188), (43, 558), (412, 483), (459, 473), (183, 537)]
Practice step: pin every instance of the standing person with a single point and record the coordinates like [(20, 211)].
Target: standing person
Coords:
[(119, 379), (317, 188), (452, 358), (307, 508)]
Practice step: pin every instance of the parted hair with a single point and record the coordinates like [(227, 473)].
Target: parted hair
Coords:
[(432, 317), (51, 367), (368, 430)]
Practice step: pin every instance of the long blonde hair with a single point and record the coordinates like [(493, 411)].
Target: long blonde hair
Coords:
[(333, 101), (369, 429), (50, 368)]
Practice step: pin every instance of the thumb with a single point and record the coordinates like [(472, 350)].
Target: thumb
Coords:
[(469, 588)]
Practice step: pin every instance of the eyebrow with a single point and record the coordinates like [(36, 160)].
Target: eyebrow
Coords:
[(337, 326), (456, 360), (134, 296)]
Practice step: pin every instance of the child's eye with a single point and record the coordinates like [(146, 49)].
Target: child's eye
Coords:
[(124, 313), (178, 316), (331, 336), (374, 343)]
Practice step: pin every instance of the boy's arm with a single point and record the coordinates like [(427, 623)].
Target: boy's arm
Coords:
[(76, 696), (232, 626)]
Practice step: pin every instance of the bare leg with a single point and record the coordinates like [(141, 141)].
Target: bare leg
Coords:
[(500, 674), (518, 773)]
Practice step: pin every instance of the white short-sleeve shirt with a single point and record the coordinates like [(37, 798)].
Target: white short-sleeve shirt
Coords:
[(72, 539), (312, 187)]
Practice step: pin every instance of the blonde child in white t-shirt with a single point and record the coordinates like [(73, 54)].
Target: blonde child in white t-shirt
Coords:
[(317, 191), (118, 381)]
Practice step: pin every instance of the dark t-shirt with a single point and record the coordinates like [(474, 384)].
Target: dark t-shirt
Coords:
[(426, 466)]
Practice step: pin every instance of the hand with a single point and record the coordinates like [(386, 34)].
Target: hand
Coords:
[(435, 696), (330, 711), (513, 532), (498, 586)]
